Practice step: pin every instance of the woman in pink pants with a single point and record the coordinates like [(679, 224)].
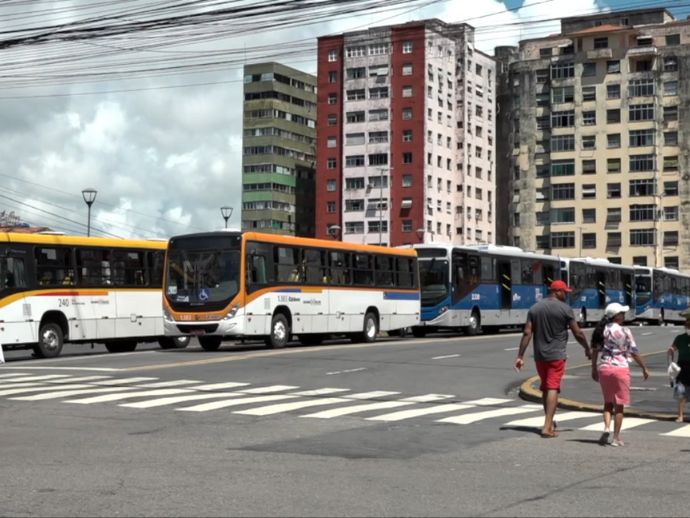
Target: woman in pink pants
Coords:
[(612, 346)]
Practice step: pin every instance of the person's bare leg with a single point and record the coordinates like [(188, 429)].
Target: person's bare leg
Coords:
[(617, 423), (681, 410), (550, 400), (608, 410)]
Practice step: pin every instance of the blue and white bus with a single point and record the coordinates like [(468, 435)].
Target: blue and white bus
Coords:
[(480, 287), (662, 294), (596, 283)]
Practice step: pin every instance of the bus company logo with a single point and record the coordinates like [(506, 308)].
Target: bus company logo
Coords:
[(312, 302), (516, 297), (288, 298), (538, 295), (476, 296)]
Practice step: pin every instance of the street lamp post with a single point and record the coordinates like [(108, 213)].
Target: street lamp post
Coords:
[(381, 170), (89, 196), (226, 212)]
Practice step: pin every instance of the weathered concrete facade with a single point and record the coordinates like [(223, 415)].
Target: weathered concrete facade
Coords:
[(593, 140)]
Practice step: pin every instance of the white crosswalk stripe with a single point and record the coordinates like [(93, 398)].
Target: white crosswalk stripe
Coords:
[(13, 374), (172, 400), (418, 412), (373, 394), (118, 397), (69, 393), (121, 381), (428, 398), (40, 388), (628, 423), (560, 417), (683, 431), (272, 388), (357, 409), (480, 416), (173, 383), (220, 386), (321, 392), (215, 405), (79, 379), (37, 378), (287, 407)]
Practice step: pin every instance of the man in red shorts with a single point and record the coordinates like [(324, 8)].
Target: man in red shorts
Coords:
[(549, 320)]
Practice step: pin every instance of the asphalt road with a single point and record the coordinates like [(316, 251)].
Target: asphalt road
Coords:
[(414, 427)]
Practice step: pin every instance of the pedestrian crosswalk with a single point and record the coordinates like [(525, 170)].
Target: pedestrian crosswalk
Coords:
[(249, 399)]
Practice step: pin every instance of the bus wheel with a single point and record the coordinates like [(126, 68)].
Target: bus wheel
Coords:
[(210, 343), (371, 328), (311, 339), (280, 332), (121, 347), (174, 342), (474, 326), (50, 341), (419, 332)]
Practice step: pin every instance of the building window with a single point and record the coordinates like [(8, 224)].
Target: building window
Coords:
[(407, 113), (671, 188), (330, 185), (407, 69), (613, 215), (589, 69), (613, 165), (407, 180), (670, 138), (354, 205), (332, 55), (589, 142), (641, 88), (330, 207), (671, 262), (613, 140), (613, 190), (355, 52), (601, 43), (589, 190), (378, 115), (564, 119), (641, 112), (563, 168), (563, 94), (332, 98), (563, 240), (642, 212), (671, 64), (377, 137), (640, 163), (332, 142), (613, 91), (356, 95), (670, 163), (562, 143), (672, 39), (562, 70), (332, 120), (589, 93), (407, 158), (331, 163), (589, 215), (670, 113), (352, 117), (354, 184), (589, 240), (641, 138), (407, 136), (670, 213), (407, 225), (642, 187), (332, 77), (407, 47), (356, 73), (564, 191), (354, 161), (642, 237), (671, 88), (407, 91), (671, 238), (613, 116), (589, 167), (613, 240), (613, 67)]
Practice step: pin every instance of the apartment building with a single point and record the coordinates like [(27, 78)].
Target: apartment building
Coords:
[(593, 140), (279, 134), (405, 139)]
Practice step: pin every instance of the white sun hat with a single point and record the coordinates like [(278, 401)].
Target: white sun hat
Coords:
[(614, 308)]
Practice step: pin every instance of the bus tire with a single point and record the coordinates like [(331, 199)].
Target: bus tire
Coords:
[(474, 326), (370, 328), (174, 342), (121, 347), (210, 343), (419, 332), (50, 340), (313, 339), (280, 332)]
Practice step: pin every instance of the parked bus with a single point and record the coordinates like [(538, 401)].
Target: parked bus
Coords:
[(480, 287), (56, 289), (246, 284), (596, 283), (662, 294)]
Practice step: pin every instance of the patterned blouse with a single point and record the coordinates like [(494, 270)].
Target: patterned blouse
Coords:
[(619, 344)]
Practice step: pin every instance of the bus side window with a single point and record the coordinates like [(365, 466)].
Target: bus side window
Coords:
[(287, 264), (404, 271), (384, 273), (363, 274), (314, 271), (338, 271)]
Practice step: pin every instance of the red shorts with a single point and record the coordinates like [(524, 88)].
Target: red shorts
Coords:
[(550, 374)]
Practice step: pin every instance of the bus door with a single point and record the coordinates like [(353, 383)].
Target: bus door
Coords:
[(600, 279), (17, 317), (628, 295), (459, 281), (505, 283), (339, 296)]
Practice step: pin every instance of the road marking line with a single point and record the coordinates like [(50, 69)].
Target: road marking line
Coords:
[(487, 401), (151, 403), (94, 369), (683, 431), (119, 381), (337, 412), (68, 393), (13, 374), (487, 414), (272, 388), (234, 402), (221, 386), (628, 423), (445, 356), (427, 398), (560, 417), (371, 395), (320, 392), (38, 378), (346, 371), (173, 383), (117, 397), (407, 414), (287, 407), (79, 378), (39, 388)]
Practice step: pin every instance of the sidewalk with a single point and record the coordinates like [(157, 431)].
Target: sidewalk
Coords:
[(651, 399)]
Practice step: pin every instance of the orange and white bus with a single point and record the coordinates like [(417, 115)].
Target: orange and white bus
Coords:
[(56, 289), (246, 284)]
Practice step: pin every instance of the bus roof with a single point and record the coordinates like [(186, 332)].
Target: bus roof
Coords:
[(508, 251), (59, 239), (308, 241)]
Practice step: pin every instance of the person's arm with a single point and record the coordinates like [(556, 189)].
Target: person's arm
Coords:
[(524, 342), (595, 355), (638, 359), (670, 351), (580, 337)]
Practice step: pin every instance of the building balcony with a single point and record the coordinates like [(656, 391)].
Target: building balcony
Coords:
[(599, 54), (635, 52)]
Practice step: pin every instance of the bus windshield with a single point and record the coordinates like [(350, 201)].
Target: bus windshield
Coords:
[(208, 278), (433, 275)]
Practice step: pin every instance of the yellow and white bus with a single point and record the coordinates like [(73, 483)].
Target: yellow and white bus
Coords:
[(246, 284), (56, 289)]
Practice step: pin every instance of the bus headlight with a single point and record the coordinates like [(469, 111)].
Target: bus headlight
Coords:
[(443, 310), (231, 313), (167, 316)]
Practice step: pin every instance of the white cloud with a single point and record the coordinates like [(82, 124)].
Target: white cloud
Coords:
[(164, 160)]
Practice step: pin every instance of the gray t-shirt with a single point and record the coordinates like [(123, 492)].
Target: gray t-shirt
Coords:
[(550, 323)]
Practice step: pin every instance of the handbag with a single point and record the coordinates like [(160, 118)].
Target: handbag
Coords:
[(679, 391)]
